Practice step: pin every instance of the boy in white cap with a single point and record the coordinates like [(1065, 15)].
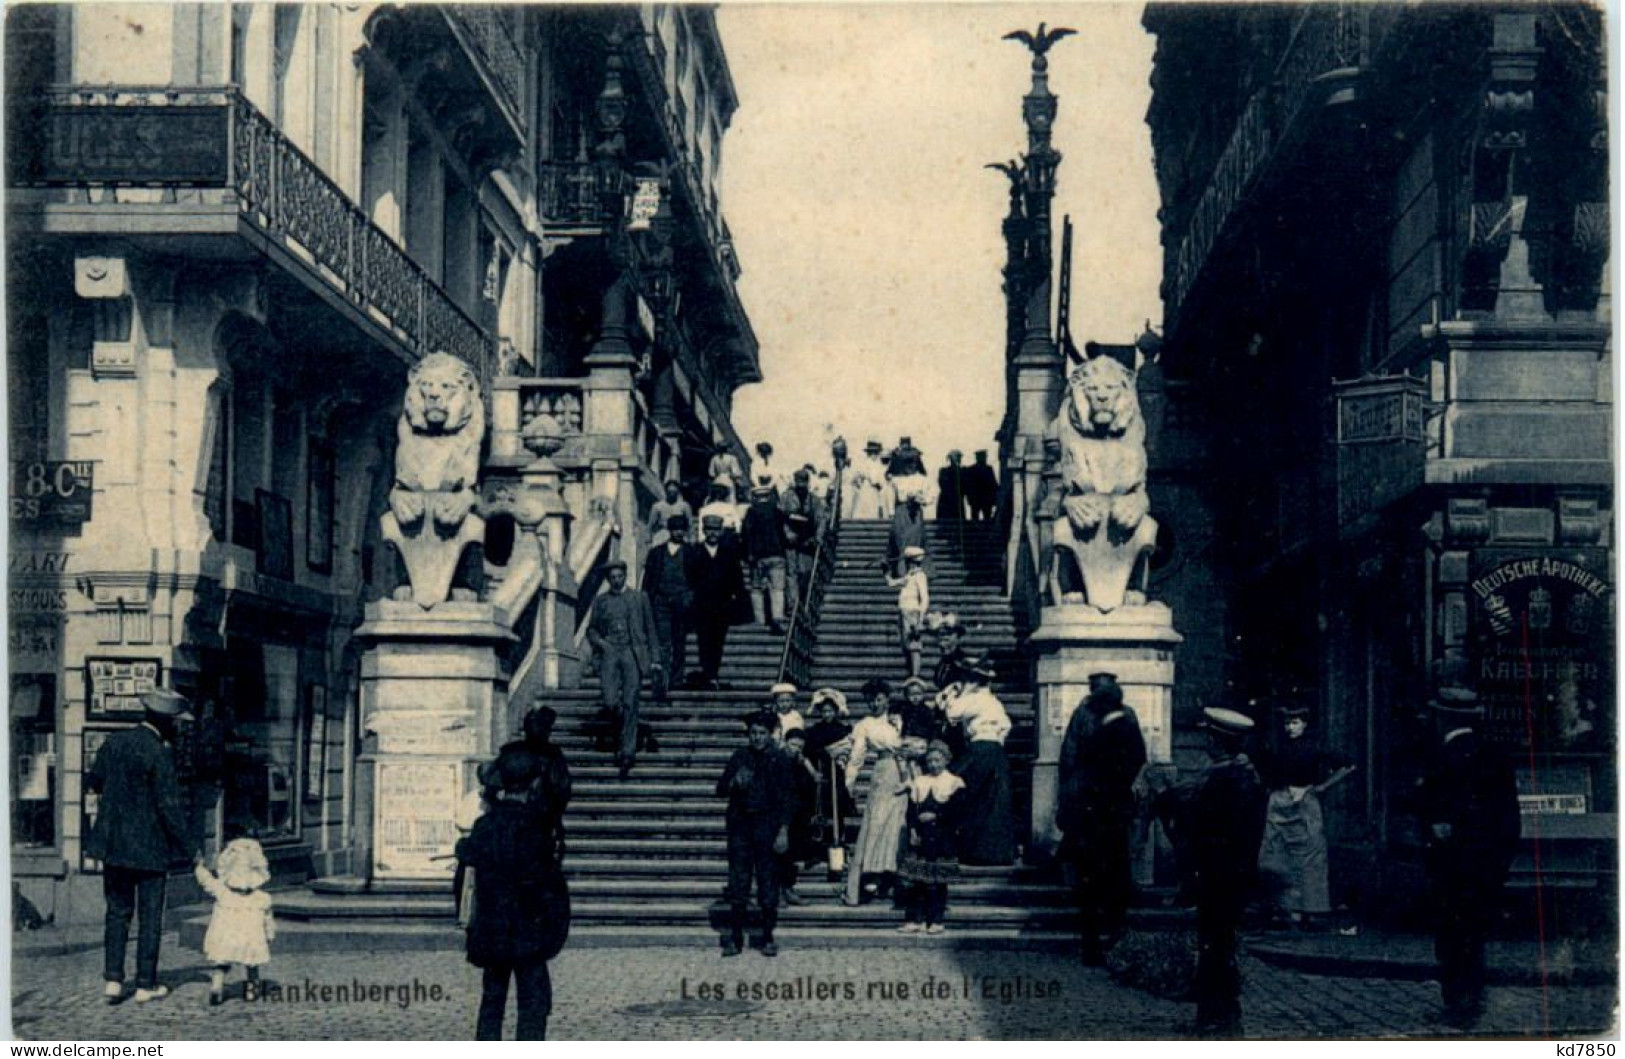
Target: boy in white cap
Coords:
[(784, 705), (913, 601)]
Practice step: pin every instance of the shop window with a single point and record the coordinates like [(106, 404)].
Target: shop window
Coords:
[(33, 760), (260, 722)]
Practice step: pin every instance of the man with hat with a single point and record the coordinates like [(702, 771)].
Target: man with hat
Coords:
[(139, 831), (521, 909), (981, 488), (1101, 757), (804, 524), (1216, 822), (951, 645), (716, 577), (622, 634), (951, 487), (759, 787), (663, 511), (1467, 800), (671, 601), (763, 536), (552, 782)]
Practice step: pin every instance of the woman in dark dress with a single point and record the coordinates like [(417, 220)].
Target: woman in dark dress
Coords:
[(987, 834)]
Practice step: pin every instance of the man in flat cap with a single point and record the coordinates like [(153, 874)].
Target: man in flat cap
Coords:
[(759, 787), (140, 831), (1468, 804), (622, 634), (1217, 823), (1101, 758), (805, 521)]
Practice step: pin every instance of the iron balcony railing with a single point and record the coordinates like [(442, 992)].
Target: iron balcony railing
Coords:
[(1329, 42), (199, 137), (485, 31)]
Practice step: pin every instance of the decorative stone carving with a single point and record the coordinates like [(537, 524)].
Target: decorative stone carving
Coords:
[(1100, 510), (437, 464)]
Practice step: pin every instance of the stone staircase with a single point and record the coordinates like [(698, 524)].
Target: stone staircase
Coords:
[(646, 856)]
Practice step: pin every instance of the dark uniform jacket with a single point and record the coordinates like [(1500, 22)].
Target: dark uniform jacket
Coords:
[(521, 902), (764, 800), (763, 532), (981, 485), (657, 581), (718, 582), (1471, 789), (1218, 826), (139, 823), (1097, 770)]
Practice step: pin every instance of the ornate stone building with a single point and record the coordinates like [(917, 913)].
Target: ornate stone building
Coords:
[(1385, 231), (232, 228)]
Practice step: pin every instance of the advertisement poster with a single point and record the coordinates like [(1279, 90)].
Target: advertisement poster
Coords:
[(415, 818)]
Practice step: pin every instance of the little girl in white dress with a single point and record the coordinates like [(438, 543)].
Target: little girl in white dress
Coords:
[(241, 926)]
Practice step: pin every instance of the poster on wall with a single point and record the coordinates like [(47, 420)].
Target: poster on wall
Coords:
[(414, 823), (1543, 648), (114, 686), (315, 743)]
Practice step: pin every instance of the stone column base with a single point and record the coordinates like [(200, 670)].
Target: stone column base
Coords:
[(434, 688), (1072, 641)]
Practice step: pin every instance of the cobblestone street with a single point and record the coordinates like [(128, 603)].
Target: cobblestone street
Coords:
[(654, 994)]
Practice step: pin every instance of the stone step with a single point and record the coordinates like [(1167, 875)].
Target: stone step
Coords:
[(436, 935)]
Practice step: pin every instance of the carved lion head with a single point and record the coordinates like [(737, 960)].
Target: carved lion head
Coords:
[(1104, 401), (443, 397)]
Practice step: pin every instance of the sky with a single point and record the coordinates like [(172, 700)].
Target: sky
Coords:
[(869, 231)]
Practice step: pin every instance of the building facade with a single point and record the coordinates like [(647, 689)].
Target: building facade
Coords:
[(232, 228), (1385, 235)]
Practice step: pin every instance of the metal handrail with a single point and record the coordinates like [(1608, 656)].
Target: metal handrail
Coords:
[(816, 581)]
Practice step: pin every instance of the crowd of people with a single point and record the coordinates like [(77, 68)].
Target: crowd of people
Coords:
[(938, 795)]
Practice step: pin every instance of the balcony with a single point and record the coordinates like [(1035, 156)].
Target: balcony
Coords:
[(212, 137), (485, 34), (1329, 47)]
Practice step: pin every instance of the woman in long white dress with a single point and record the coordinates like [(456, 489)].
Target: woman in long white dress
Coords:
[(885, 811)]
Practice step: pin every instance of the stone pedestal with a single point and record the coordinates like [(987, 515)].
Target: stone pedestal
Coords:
[(1135, 642), (434, 690)]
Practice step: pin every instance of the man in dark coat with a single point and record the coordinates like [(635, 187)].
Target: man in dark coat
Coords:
[(1101, 758), (805, 521), (551, 784), (1468, 804), (763, 535), (717, 578), (759, 787), (1217, 823), (951, 481), (521, 901), (981, 488), (671, 601), (907, 531), (951, 642), (140, 831), (622, 634)]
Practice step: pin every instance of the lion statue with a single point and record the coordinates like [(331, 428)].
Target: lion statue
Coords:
[(437, 462), (1100, 513)]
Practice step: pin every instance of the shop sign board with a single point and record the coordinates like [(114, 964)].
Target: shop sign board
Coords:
[(1542, 648), (1381, 454), (415, 818), (51, 492)]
